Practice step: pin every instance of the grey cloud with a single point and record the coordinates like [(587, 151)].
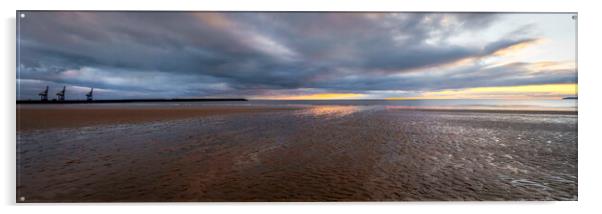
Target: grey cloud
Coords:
[(471, 76), (205, 54)]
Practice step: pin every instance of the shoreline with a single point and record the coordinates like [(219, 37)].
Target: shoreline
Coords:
[(39, 102), (504, 111), (38, 117)]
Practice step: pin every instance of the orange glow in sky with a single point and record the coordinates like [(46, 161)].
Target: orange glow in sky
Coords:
[(517, 47), (320, 96), (547, 91)]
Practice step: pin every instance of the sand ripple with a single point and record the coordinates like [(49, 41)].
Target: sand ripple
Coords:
[(322, 154)]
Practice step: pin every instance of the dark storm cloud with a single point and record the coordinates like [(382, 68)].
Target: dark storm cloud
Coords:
[(205, 54)]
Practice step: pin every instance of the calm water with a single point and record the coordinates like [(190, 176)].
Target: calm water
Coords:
[(471, 104), (562, 105)]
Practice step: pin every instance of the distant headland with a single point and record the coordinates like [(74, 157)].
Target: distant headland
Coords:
[(90, 99), (127, 101)]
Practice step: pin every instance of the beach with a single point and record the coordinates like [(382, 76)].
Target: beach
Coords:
[(65, 116), (74, 153)]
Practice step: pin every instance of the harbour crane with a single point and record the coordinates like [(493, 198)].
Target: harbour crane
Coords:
[(61, 95), (89, 95), (44, 95)]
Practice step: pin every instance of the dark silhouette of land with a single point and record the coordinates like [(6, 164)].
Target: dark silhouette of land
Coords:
[(127, 101), (60, 99)]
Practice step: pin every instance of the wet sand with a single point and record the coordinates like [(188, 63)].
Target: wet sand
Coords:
[(73, 116), (322, 153)]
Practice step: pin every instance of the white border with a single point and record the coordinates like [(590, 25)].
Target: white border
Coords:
[(589, 100)]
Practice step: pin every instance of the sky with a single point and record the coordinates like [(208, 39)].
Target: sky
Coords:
[(297, 55)]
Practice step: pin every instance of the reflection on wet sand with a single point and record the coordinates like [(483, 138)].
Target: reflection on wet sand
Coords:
[(323, 153), (331, 111)]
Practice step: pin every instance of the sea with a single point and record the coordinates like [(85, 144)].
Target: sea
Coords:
[(453, 104)]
